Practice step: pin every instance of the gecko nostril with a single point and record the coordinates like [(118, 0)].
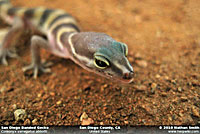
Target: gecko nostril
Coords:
[(128, 75)]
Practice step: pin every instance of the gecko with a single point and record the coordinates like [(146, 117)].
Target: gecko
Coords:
[(57, 32)]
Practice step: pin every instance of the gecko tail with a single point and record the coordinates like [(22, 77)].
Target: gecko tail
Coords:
[(4, 3), (5, 0)]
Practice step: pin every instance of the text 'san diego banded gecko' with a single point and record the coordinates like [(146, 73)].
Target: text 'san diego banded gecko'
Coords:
[(96, 52)]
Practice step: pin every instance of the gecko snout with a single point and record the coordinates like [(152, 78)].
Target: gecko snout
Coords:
[(128, 75)]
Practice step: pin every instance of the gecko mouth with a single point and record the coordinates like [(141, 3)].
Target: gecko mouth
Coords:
[(111, 76), (124, 80), (119, 78), (127, 81)]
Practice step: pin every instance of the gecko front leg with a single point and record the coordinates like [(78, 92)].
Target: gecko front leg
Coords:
[(37, 42), (10, 39)]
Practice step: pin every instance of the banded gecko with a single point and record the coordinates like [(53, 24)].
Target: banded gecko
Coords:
[(95, 52)]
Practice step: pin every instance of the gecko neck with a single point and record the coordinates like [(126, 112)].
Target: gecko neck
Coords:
[(72, 41), (65, 39)]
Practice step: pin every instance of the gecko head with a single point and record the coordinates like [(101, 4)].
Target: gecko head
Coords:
[(101, 54), (111, 61)]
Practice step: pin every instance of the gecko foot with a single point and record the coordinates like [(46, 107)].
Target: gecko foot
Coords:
[(4, 53), (36, 68)]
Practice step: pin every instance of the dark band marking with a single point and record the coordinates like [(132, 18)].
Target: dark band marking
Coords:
[(64, 39), (68, 25), (4, 2), (12, 11), (29, 13), (45, 15), (58, 18)]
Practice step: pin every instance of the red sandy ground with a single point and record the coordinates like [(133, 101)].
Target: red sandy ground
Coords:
[(164, 49)]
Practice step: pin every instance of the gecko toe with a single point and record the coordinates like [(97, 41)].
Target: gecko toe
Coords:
[(26, 68), (47, 64), (4, 61), (3, 58), (45, 70), (4, 53), (35, 73), (12, 54), (36, 69)]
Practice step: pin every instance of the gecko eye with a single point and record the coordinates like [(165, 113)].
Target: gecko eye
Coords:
[(101, 62)]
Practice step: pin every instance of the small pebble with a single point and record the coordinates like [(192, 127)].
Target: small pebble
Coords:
[(184, 99), (195, 83), (153, 85), (141, 63), (88, 121), (83, 116), (164, 94), (180, 114), (195, 111), (27, 122), (138, 56), (102, 89), (39, 95), (174, 117), (158, 33), (59, 102), (171, 107), (20, 114), (138, 19), (14, 106), (126, 122), (170, 118), (193, 63), (60, 115), (52, 93), (6, 123), (166, 77), (157, 76), (34, 121), (141, 87), (156, 62), (45, 96), (2, 89), (179, 89), (153, 90), (173, 82), (131, 59)]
